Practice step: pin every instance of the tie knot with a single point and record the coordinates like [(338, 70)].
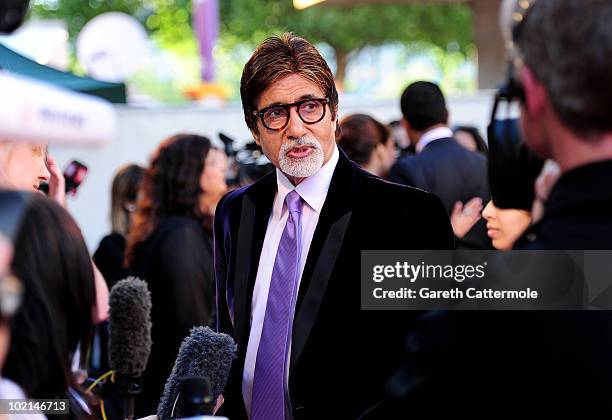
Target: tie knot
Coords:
[(294, 202)]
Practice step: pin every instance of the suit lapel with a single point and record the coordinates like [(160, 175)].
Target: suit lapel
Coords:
[(256, 209), (324, 249)]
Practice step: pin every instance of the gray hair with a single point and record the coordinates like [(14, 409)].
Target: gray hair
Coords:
[(568, 46)]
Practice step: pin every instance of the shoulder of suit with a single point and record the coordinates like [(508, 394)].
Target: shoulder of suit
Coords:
[(231, 197), (236, 195), (232, 201), (429, 154), (405, 160), (474, 155), (376, 187)]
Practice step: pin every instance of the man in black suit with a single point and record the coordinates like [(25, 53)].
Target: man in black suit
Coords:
[(288, 248), (441, 165)]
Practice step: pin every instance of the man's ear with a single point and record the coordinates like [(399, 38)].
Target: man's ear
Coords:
[(256, 137), (335, 115), (379, 151), (535, 92)]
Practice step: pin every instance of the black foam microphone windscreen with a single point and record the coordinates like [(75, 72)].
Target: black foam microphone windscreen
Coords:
[(203, 353), (12, 14), (129, 342)]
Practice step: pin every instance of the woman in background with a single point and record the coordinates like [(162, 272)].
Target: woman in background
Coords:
[(170, 247), (24, 167), (368, 143), (55, 319), (10, 299), (469, 137), (109, 256), (111, 252), (505, 226)]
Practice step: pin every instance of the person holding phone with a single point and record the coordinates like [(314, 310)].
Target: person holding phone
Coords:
[(26, 166)]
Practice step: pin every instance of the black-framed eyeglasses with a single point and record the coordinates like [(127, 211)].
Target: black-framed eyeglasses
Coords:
[(276, 117)]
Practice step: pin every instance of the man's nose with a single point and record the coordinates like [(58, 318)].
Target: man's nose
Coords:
[(296, 127)]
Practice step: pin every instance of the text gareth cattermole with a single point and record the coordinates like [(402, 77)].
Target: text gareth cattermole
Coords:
[(413, 272)]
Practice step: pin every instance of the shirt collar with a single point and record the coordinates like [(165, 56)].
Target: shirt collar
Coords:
[(432, 135), (313, 189)]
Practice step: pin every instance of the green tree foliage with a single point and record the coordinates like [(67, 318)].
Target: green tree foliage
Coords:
[(169, 21), (348, 30), (76, 13), (345, 30)]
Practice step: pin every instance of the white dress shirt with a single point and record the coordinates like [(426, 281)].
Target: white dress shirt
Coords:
[(432, 135), (313, 191)]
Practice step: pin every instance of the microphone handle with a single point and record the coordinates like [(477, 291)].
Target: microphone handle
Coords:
[(128, 407), (129, 387)]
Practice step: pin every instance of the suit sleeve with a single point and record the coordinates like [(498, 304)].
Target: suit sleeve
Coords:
[(223, 321), (432, 227)]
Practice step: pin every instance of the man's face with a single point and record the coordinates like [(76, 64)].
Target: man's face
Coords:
[(22, 166), (299, 149)]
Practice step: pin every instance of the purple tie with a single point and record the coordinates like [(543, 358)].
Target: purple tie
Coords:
[(268, 399)]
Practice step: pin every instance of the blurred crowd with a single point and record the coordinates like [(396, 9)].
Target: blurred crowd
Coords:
[(548, 192)]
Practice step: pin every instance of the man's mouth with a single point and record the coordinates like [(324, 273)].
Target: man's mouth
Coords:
[(300, 152)]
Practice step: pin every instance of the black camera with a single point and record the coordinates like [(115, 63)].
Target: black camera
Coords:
[(513, 167), (247, 164)]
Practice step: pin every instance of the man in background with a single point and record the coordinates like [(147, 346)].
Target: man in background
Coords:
[(441, 165)]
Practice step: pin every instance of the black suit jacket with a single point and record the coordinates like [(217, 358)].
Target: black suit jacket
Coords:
[(340, 355), (453, 173), (578, 212)]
